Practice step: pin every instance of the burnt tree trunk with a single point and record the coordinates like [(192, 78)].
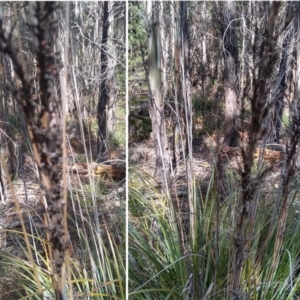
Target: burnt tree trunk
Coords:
[(259, 112), (43, 130), (103, 92)]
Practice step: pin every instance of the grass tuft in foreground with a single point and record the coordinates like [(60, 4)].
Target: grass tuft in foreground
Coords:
[(161, 266)]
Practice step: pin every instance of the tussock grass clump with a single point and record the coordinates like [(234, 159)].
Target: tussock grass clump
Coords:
[(96, 266), (161, 266)]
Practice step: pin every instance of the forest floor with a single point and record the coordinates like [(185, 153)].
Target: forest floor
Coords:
[(85, 189), (206, 151)]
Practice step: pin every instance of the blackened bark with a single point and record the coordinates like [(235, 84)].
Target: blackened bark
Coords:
[(103, 93), (259, 113), (43, 129)]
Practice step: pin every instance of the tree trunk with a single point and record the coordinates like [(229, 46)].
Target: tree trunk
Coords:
[(259, 112), (103, 93), (281, 80), (179, 129), (6, 142), (230, 55), (43, 131), (156, 100), (187, 104), (111, 74)]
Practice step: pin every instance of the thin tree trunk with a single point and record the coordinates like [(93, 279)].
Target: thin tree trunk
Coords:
[(230, 54), (187, 101), (179, 129), (5, 134), (103, 93), (111, 74), (281, 87), (204, 59), (259, 112), (44, 132), (156, 100)]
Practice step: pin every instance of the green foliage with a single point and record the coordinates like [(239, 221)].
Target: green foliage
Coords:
[(92, 125), (136, 207), (208, 111), (285, 121), (137, 35), (141, 128), (136, 26), (205, 105), (96, 264), (121, 82), (161, 267), (14, 121), (80, 158), (138, 100), (118, 137)]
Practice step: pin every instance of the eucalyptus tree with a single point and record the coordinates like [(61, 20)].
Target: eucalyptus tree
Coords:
[(230, 54), (156, 97)]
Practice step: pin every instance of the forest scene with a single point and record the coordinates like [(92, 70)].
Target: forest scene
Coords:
[(63, 150), (213, 150), (150, 150)]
